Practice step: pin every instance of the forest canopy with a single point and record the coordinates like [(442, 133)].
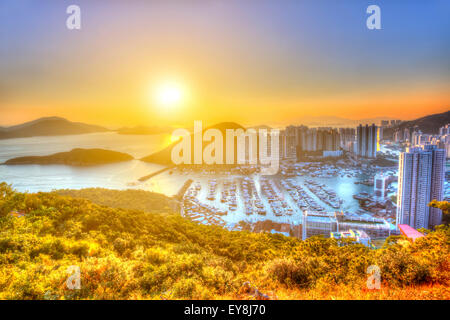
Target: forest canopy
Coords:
[(139, 254)]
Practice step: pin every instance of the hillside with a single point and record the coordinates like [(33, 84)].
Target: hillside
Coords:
[(130, 254), (125, 199), (52, 126), (429, 124), (165, 156), (75, 157)]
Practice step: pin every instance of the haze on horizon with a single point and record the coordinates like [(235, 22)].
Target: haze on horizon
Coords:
[(252, 62)]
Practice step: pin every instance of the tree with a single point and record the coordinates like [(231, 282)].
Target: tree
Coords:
[(445, 207)]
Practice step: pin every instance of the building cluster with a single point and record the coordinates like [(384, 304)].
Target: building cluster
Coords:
[(420, 180), (390, 123), (327, 223), (418, 138), (402, 135), (366, 141), (347, 138), (357, 236), (299, 142)]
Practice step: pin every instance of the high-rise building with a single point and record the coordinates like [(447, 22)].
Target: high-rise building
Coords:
[(282, 145), (444, 130), (437, 182), (420, 180), (347, 138), (300, 140), (367, 140), (291, 141), (406, 135), (414, 182), (380, 184), (397, 136), (415, 137)]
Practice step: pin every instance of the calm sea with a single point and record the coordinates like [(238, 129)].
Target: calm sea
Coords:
[(124, 175)]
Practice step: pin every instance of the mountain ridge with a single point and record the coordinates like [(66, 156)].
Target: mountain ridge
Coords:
[(429, 124), (48, 126)]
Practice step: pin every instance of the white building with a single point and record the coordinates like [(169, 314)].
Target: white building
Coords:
[(380, 184)]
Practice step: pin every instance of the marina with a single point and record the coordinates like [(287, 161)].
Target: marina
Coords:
[(233, 195)]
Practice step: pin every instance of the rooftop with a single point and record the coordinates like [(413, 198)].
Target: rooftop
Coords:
[(410, 232)]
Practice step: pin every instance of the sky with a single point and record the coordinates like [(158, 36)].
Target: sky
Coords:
[(248, 61)]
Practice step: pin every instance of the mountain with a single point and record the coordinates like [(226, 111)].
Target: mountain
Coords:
[(50, 126), (75, 157), (165, 156), (428, 124)]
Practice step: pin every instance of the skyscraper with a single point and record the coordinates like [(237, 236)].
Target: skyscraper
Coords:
[(367, 139), (347, 138), (437, 182), (444, 130), (420, 180)]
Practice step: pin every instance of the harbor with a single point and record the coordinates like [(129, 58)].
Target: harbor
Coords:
[(233, 199)]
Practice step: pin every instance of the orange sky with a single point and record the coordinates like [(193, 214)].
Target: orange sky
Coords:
[(249, 63)]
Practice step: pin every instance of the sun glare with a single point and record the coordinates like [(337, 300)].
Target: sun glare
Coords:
[(169, 95)]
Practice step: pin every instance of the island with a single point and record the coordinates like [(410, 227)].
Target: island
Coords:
[(75, 157)]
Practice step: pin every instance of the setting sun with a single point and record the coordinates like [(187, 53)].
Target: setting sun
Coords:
[(169, 95)]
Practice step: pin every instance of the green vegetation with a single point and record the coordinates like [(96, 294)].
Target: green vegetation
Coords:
[(127, 199), (132, 254), (445, 207), (75, 157), (393, 198)]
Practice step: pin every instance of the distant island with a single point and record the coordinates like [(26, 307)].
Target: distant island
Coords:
[(50, 126), (75, 157)]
